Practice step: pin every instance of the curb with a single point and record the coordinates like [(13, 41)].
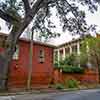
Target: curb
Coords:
[(44, 92)]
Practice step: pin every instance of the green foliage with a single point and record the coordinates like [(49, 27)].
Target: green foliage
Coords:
[(72, 83), (56, 66), (59, 86), (75, 24), (73, 69), (12, 7), (71, 59), (90, 51), (70, 64)]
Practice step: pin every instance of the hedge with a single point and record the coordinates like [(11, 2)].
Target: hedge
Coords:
[(72, 69)]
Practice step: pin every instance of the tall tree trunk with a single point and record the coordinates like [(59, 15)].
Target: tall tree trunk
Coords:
[(30, 63), (6, 56), (3, 71), (12, 39), (5, 59)]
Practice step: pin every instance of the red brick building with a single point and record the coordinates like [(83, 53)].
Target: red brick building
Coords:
[(42, 69), (90, 75), (42, 64)]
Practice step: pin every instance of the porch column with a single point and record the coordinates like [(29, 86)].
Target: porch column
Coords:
[(55, 55), (78, 48), (58, 55), (64, 54), (70, 47), (78, 52)]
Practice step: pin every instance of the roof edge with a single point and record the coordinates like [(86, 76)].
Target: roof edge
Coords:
[(28, 40)]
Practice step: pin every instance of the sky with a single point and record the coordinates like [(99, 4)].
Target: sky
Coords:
[(94, 18), (91, 18), (65, 37)]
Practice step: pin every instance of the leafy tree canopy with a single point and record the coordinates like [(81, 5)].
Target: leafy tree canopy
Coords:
[(71, 17), (90, 51)]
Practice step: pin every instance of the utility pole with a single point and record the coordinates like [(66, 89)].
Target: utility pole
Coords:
[(30, 61)]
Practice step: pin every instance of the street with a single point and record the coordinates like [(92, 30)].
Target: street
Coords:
[(81, 95), (74, 95)]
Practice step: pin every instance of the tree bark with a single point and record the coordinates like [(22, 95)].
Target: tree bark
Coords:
[(3, 71), (6, 56)]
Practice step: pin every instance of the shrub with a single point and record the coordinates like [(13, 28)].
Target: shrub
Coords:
[(56, 65), (59, 86), (72, 69), (72, 83)]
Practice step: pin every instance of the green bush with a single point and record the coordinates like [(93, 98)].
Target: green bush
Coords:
[(72, 69), (69, 64), (71, 83), (57, 67), (59, 86)]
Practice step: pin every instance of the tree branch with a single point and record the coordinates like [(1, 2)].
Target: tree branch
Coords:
[(26, 6), (74, 12), (16, 32), (32, 12), (8, 17), (39, 4), (27, 20)]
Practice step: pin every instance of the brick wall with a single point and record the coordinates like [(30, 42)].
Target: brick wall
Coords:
[(41, 72), (89, 76)]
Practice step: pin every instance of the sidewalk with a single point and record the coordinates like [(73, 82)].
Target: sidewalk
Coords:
[(41, 96), (39, 91)]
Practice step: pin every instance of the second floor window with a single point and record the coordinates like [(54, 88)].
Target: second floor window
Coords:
[(41, 56), (16, 53)]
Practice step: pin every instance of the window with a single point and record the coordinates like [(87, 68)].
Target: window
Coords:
[(41, 56), (16, 53)]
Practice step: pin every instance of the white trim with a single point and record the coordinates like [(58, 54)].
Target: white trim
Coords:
[(64, 54)]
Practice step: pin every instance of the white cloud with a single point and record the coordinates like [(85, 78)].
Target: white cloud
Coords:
[(94, 18)]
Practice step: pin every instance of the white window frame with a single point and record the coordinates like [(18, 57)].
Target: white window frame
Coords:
[(41, 56)]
